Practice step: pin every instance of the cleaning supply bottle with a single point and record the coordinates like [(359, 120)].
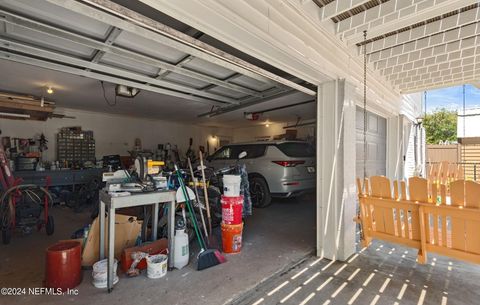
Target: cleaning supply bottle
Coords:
[(181, 252)]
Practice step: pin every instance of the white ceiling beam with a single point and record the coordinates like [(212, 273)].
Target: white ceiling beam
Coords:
[(11, 18), (111, 79), (275, 93), (149, 29), (66, 59), (131, 21), (448, 52), (112, 35), (394, 15), (431, 71), (435, 44), (442, 72), (338, 7), (461, 20), (441, 82)]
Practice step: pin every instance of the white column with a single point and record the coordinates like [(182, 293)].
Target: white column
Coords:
[(336, 161), (395, 147)]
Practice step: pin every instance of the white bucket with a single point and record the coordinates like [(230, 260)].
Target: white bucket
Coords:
[(157, 266), (100, 272), (231, 185)]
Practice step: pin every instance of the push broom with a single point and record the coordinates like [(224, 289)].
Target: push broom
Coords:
[(207, 257)]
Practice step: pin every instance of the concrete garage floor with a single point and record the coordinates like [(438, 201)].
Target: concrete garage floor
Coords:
[(274, 239), (381, 274)]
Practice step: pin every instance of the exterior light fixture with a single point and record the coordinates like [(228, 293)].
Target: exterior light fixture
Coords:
[(419, 121), (49, 90)]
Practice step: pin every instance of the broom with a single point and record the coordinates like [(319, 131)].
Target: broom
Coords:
[(205, 193), (207, 257), (197, 198)]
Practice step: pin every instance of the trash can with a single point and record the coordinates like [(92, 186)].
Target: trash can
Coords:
[(63, 265)]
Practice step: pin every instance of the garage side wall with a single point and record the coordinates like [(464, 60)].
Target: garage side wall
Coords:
[(115, 134)]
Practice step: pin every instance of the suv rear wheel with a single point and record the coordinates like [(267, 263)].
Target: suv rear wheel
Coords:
[(261, 197)]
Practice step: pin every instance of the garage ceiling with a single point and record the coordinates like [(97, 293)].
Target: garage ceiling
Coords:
[(83, 93), (75, 44), (416, 44)]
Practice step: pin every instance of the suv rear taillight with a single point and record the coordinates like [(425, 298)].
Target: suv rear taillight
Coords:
[(292, 163)]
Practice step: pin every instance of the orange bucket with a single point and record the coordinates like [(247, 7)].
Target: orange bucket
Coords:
[(63, 267), (232, 238)]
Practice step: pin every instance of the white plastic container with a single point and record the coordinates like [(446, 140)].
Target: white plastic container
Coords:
[(231, 185), (157, 266), (99, 273), (181, 251)]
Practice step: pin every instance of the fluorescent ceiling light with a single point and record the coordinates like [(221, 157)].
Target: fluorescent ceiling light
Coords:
[(16, 115)]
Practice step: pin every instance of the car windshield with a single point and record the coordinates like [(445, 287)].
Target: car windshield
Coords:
[(297, 149)]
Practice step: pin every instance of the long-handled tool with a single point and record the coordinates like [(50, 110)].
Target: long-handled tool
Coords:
[(205, 193), (207, 257), (212, 241), (195, 181)]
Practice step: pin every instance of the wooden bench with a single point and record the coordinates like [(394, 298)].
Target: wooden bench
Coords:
[(418, 217)]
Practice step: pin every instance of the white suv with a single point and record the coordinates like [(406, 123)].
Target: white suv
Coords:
[(275, 168)]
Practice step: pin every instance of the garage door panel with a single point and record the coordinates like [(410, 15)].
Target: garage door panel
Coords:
[(376, 144), (372, 123)]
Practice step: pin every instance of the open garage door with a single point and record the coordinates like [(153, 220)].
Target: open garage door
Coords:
[(376, 144), (179, 86)]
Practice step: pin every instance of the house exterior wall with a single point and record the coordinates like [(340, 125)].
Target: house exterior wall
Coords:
[(471, 120)]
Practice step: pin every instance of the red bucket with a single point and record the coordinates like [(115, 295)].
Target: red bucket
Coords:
[(64, 265), (232, 208)]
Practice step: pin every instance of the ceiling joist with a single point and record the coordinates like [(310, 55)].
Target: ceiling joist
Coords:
[(128, 20), (446, 80), (70, 60), (455, 50), (462, 21), (336, 8), (413, 44), (393, 15), (106, 48), (102, 77)]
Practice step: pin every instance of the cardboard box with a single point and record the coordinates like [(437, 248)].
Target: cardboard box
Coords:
[(127, 229), (157, 247)]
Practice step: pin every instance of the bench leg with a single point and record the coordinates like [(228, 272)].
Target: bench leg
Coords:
[(422, 257), (422, 252), (366, 241)]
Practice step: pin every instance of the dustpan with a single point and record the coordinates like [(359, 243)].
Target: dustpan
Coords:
[(181, 197)]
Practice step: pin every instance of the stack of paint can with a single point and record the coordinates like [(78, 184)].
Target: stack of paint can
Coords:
[(232, 209)]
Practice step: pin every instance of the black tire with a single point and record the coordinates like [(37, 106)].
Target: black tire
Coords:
[(6, 224), (260, 193), (6, 236), (214, 200), (50, 225)]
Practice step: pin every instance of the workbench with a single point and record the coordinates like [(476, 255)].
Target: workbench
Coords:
[(64, 177), (110, 204)]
